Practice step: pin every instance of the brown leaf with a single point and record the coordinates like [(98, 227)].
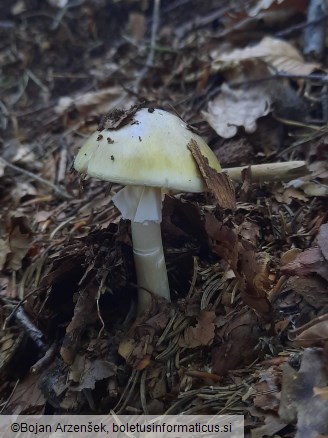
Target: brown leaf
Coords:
[(20, 241), (234, 344), (93, 371), (202, 333), (27, 397), (287, 195), (249, 231), (312, 289), (314, 336), (256, 272), (224, 240), (308, 262), (93, 102), (267, 390), (217, 183)]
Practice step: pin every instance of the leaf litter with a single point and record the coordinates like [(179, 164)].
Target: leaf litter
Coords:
[(247, 325)]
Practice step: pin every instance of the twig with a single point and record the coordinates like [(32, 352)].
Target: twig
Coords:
[(313, 77), (60, 192), (300, 26), (31, 330), (45, 360)]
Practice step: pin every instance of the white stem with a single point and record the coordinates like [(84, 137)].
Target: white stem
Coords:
[(149, 262)]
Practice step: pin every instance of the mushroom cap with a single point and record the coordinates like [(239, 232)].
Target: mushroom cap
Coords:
[(150, 150)]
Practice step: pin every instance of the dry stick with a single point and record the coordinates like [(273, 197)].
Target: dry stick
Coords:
[(300, 26), (60, 192), (270, 171), (45, 360)]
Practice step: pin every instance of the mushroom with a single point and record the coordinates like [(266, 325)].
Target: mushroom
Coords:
[(148, 154)]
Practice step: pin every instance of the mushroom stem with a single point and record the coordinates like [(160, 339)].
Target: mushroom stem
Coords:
[(149, 262)]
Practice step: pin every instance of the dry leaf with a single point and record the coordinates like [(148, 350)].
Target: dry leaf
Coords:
[(313, 289), (314, 336), (267, 390), (202, 333), (97, 102), (236, 107), (93, 371), (20, 241), (279, 54), (287, 195), (233, 345), (256, 272), (217, 183), (309, 261), (27, 397), (223, 240), (314, 189)]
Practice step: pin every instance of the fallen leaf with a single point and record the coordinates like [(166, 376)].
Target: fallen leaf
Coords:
[(27, 397), (237, 107), (223, 240), (289, 255), (287, 195), (268, 389), (249, 231), (94, 371), (96, 102), (202, 334), (312, 289), (279, 54), (254, 268), (314, 189), (314, 336), (234, 343), (19, 241), (309, 261)]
